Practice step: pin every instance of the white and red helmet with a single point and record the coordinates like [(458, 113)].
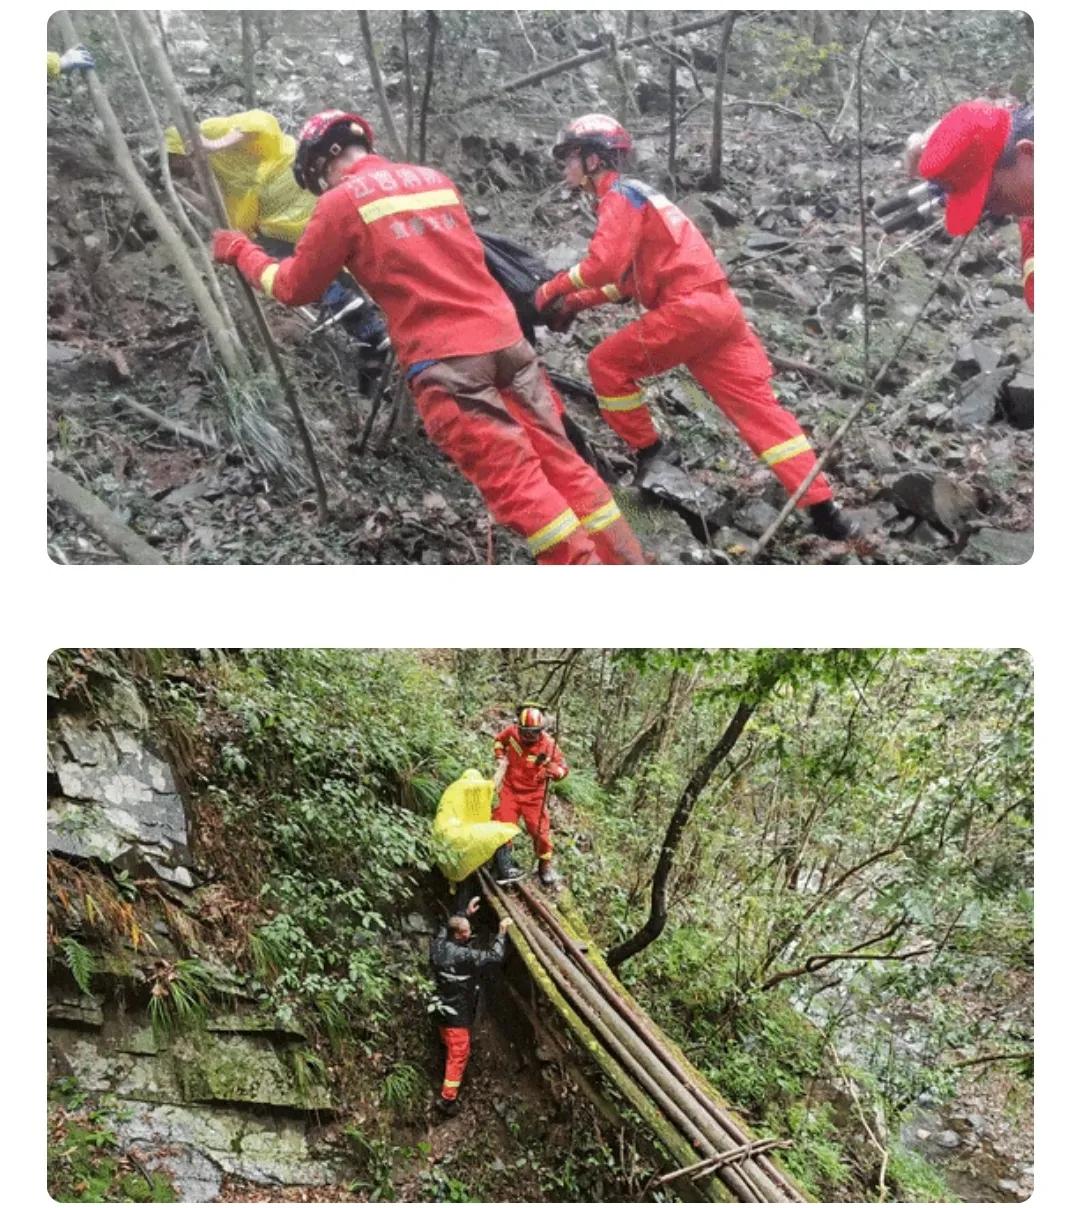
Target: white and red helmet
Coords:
[(597, 134), (323, 138), (530, 724)]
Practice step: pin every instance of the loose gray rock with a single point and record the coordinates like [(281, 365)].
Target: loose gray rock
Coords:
[(1018, 400), (1001, 547), (755, 516), (976, 404), (974, 358)]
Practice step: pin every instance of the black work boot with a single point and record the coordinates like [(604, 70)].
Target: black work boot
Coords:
[(546, 871), (645, 457), (830, 522), (448, 1107), (506, 871)]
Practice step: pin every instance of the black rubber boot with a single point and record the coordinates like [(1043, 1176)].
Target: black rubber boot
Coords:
[(546, 871), (645, 457), (506, 871), (448, 1107), (830, 522)]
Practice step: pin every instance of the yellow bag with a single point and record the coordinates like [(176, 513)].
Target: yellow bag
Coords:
[(261, 195), (464, 832)]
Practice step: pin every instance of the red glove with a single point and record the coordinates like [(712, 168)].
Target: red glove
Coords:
[(551, 289), (558, 316), (227, 246)]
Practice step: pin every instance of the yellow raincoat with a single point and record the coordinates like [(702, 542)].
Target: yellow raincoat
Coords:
[(463, 828), (261, 195)]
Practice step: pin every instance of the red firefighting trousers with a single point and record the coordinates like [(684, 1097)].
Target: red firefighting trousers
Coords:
[(497, 417), (707, 332), (458, 1042), (531, 810)]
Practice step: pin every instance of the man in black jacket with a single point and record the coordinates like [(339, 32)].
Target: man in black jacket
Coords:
[(457, 963)]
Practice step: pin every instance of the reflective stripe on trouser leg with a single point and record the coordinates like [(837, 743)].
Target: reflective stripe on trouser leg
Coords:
[(612, 535), (473, 426), (534, 402), (649, 345), (538, 824), (458, 1043), (621, 399), (736, 375)]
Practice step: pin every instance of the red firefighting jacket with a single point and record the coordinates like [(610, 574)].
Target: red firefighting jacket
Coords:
[(644, 247), (525, 773), (1027, 259), (403, 233)]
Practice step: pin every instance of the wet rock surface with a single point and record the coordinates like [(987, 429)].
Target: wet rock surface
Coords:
[(116, 802), (227, 1100)]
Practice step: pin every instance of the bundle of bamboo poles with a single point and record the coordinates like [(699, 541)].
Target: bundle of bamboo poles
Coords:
[(711, 1143)]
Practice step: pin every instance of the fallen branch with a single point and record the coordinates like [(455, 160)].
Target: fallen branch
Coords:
[(802, 117), (707, 1165), (808, 370), (170, 425), (103, 520), (589, 56)]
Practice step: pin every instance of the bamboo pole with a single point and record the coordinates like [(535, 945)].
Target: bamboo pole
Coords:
[(197, 245), (208, 183), (170, 237), (557, 990)]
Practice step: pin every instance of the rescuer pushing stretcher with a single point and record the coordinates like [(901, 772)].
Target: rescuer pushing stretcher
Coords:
[(647, 249)]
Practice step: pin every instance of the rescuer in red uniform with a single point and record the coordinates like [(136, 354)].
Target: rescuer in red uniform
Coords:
[(647, 249), (526, 758), (403, 233), (982, 154)]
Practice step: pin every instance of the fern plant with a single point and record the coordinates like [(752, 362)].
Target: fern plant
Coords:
[(79, 960), (403, 1088)]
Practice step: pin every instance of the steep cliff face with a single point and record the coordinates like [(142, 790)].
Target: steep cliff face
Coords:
[(240, 1095)]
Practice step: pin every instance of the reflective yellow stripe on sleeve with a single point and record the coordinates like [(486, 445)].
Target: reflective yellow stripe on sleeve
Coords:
[(551, 534), (1029, 268), (266, 281), (611, 291), (594, 522), (448, 1084), (786, 450), (385, 206), (621, 402), (575, 275)]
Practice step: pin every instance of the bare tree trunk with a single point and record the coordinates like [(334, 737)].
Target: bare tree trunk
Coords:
[(99, 516), (171, 239), (199, 245), (247, 39), (208, 183), (716, 152), (673, 118), (823, 36), (429, 75), (753, 694), (391, 133), (408, 84)]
